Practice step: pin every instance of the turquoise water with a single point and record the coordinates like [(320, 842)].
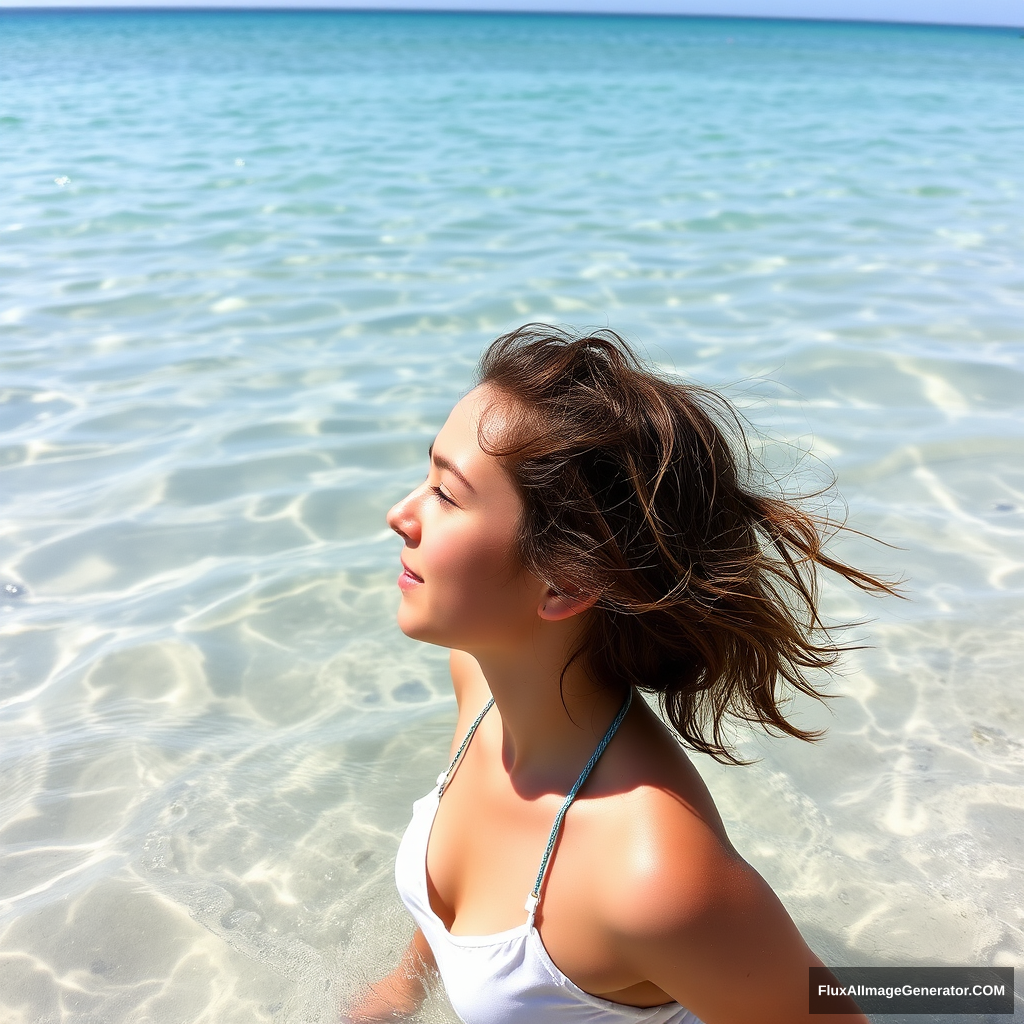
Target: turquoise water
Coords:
[(249, 261)]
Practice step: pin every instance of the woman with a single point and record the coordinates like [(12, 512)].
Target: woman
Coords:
[(585, 534)]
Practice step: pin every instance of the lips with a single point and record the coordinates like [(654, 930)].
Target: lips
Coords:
[(408, 578)]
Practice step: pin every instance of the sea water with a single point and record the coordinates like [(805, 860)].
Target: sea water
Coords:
[(249, 261)]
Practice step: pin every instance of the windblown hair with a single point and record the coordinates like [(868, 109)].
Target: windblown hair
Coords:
[(637, 492)]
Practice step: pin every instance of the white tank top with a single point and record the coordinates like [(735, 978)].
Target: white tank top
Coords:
[(508, 977)]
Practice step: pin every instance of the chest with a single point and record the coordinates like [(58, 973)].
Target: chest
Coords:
[(485, 849)]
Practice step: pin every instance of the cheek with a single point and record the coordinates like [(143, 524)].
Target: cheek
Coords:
[(473, 592), (474, 566)]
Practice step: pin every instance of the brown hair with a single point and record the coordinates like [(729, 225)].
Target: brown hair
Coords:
[(635, 493)]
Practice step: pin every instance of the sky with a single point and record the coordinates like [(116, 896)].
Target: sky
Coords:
[(963, 12)]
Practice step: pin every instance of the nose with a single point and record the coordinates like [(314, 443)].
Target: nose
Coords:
[(402, 518)]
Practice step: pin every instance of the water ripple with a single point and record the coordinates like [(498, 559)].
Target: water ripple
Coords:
[(249, 263)]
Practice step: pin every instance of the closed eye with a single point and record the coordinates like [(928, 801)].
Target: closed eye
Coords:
[(441, 496)]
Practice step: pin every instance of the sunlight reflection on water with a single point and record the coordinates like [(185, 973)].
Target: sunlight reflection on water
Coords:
[(252, 261)]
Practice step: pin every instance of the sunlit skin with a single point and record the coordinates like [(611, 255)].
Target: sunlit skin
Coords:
[(646, 900)]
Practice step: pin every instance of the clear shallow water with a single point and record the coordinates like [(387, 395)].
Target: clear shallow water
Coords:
[(249, 261)]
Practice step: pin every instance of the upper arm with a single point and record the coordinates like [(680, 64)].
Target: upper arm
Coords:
[(708, 930), (420, 948)]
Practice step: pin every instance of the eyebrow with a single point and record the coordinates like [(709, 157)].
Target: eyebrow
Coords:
[(442, 463)]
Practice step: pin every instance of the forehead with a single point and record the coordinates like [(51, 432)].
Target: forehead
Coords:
[(459, 438), (463, 424)]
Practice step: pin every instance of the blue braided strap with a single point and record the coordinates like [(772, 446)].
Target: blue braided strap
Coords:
[(534, 898), (442, 779)]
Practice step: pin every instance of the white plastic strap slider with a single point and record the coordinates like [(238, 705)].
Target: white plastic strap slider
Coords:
[(441, 779), (531, 903)]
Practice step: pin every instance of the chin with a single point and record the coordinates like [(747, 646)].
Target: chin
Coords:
[(418, 627), (414, 627)]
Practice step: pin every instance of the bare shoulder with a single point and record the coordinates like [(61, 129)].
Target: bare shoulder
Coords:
[(667, 856), (680, 907), (673, 862)]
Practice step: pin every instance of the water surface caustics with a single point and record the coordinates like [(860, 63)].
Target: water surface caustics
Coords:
[(249, 261)]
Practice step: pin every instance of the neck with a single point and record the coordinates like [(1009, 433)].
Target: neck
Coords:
[(549, 730)]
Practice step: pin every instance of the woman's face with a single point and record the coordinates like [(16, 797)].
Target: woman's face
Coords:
[(462, 585)]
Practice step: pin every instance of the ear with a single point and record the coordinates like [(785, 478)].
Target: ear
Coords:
[(555, 606)]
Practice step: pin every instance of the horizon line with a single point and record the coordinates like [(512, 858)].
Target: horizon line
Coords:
[(328, 8)]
